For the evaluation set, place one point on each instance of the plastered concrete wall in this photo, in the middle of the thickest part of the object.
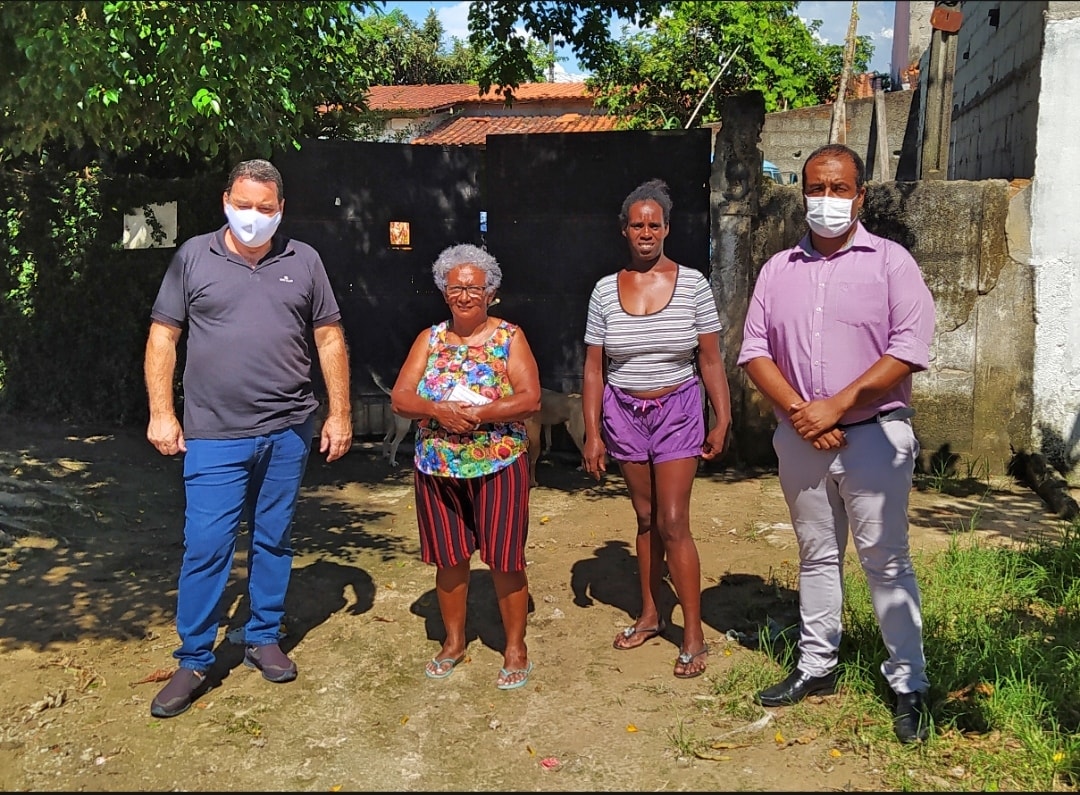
(1055, 243)
(974, 401)
(996, 90)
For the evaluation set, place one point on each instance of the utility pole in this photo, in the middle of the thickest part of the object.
(838, 127)
(945, 21)
(881, 157)
(551, 52)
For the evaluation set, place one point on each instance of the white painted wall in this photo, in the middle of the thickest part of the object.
(1055, 242)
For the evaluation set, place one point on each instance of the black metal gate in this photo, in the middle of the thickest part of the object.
(551, 202)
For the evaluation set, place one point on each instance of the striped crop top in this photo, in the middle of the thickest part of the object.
(651, 351)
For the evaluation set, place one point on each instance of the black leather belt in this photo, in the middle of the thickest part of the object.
(901, 413)
(867, 421)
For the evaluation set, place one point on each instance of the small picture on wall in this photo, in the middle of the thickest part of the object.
(400, 234)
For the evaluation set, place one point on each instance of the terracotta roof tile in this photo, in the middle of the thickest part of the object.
(475, 129)
(430, 97)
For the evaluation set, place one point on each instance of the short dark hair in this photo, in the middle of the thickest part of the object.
(257, 171)
(655, 190)
(839, 150)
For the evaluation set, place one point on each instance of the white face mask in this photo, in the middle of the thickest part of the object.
(829, 216)
(251, 227)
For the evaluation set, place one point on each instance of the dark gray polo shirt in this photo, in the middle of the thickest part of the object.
(249, 359)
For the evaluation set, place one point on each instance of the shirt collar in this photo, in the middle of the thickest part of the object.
(279, 245)
(862, 239)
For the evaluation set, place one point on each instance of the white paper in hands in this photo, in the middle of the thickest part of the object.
(463, 394)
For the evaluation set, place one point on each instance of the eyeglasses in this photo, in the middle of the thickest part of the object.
(458, 290)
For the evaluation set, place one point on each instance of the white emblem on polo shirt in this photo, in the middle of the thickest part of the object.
(285, 279)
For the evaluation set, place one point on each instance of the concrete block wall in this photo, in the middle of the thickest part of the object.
(996, 90)
(787, 137)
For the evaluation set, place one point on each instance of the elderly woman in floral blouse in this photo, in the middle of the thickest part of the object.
(471, 381)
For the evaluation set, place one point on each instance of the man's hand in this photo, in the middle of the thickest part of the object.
(832, 439)
(165, 433)
(336, 437)
(811, 418)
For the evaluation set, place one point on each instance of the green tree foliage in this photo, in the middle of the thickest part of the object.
(658, 75)
(494, 28)
(407, 55)
(670, 52)
(192, 79)
(392, 50)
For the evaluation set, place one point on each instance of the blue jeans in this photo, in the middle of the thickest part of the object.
(226, 481)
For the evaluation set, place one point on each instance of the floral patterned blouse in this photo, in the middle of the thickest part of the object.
(481, 368)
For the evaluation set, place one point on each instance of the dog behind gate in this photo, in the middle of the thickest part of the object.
(556, 408)
(397, 430)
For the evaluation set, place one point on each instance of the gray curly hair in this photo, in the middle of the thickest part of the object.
(466, 254)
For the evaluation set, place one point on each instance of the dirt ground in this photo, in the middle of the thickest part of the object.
(90, 548)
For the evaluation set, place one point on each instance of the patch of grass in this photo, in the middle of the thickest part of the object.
(734, 690)
(952, 474)
(244, 725)
(755, 529)
(1002, 640)
(685, 742)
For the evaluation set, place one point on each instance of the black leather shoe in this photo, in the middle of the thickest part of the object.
(797, 687)
(912, 719)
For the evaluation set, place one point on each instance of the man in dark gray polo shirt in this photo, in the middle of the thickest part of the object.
(248, 298)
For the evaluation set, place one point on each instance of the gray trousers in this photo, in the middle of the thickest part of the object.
(865, 484)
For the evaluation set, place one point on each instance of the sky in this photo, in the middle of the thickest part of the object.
(875, 20)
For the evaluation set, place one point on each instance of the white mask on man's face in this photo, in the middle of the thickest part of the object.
(829, 216)
(251, 227)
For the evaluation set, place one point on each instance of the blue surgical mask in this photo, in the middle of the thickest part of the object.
(251, 227)
(829, 216)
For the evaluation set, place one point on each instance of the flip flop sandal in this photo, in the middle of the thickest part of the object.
(685, 658)
(629, 632)
(505, 675)
(438, 666)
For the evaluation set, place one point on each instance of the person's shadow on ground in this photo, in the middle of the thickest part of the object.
(611, 577)
(753, 612)
(316, 592)
(482, 618)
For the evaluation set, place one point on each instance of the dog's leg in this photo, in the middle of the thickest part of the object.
(401, 427)
(386, 443)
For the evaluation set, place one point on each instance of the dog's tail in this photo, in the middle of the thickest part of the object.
(378, 381)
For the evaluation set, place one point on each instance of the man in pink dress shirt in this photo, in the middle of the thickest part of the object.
(835, 328)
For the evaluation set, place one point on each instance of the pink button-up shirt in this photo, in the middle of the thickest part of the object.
(825, 320)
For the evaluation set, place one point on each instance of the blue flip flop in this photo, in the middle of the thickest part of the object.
(524, 680)
(453, 663)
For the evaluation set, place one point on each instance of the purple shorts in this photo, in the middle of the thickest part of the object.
(656, 429)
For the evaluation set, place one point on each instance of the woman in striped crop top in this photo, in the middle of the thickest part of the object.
(642, 400)
(471, 381)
